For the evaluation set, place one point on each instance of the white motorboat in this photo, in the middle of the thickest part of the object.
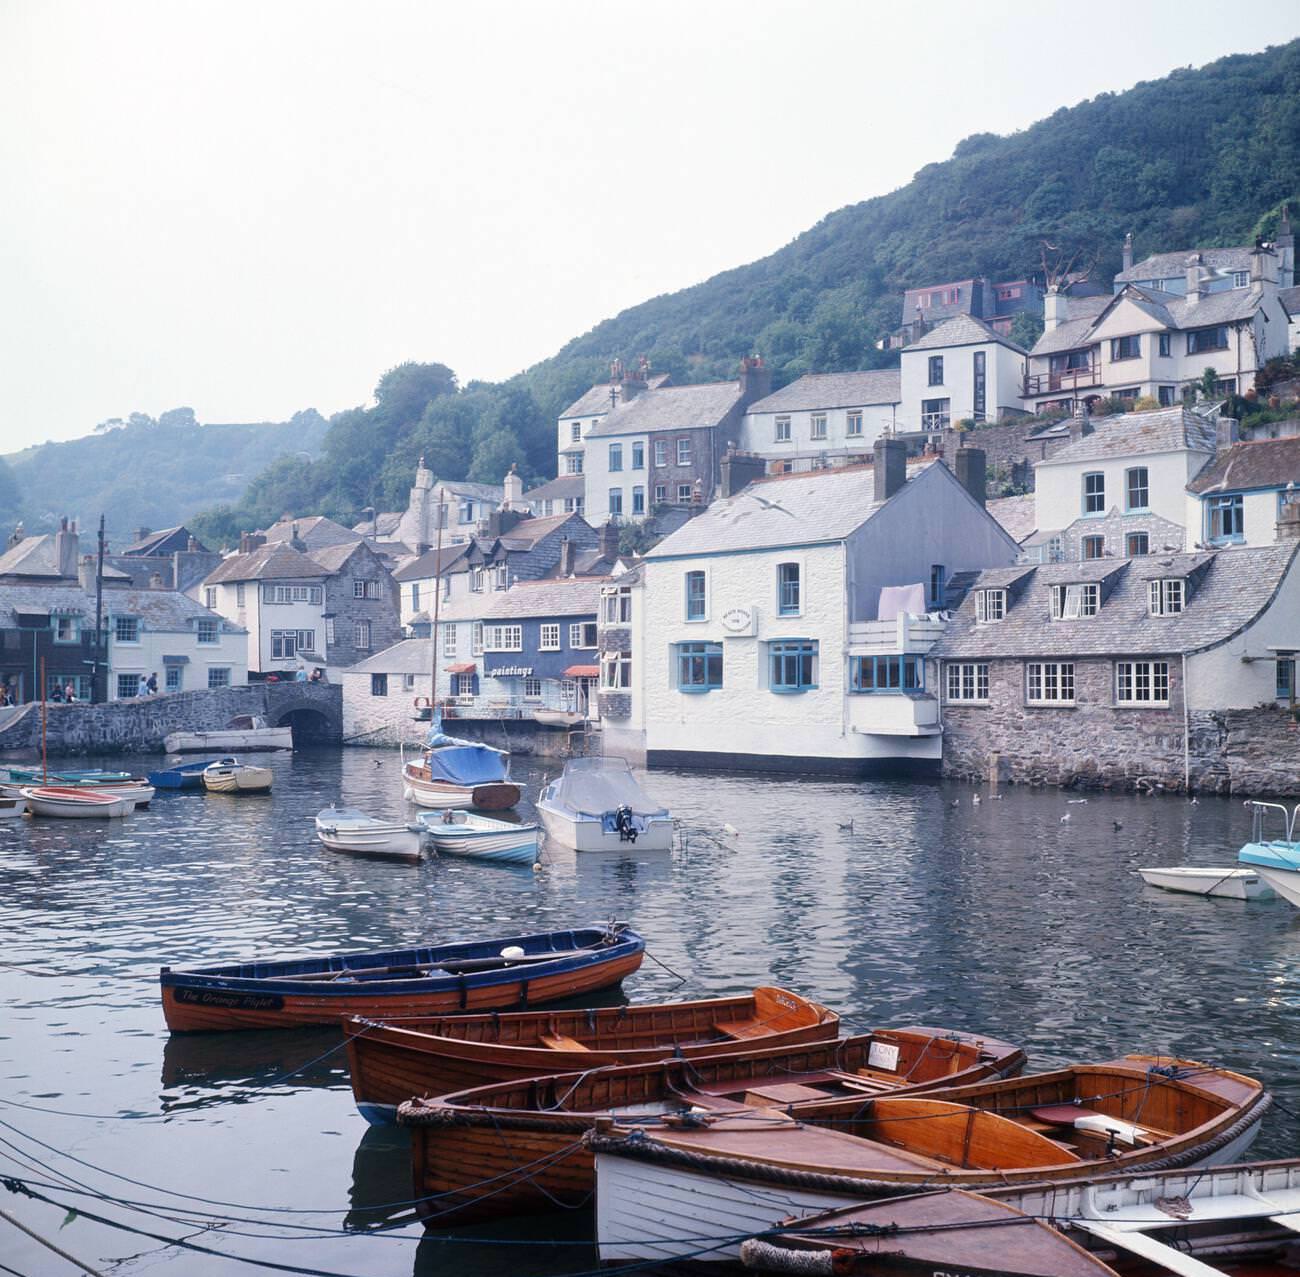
(558, 717)
(1233, 883)
(244, 732)
(11, 808)
(74, 803)
(1277, 860)
(462, 833)
(597, 805)
(347, 829)
(233, 777)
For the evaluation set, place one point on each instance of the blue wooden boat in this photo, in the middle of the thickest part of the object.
(512, 973)
(64, 776)
(184, 775)
(463, 833)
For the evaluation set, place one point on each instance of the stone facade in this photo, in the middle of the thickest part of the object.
(341, 604)
(1162, 535)
(1095, 744)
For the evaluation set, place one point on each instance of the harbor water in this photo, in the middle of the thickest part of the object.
(894, 903)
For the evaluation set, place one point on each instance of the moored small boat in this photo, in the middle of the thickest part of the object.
(456, 1139)
(597, 805)
(233, 777)
(726, 1177)
(347, 829)
(1235, 883)
(11, 808)
(463, 833)
(246, 732)
(456, 773)
(1276, 860)
(63, 776)
(558, 717)
(478, 975)
(75, 802)
(391, 1062)
(184, 775)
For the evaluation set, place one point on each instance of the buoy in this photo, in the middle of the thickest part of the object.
(512, 951)
(537, 866)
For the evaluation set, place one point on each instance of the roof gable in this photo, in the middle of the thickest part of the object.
(696, 407)
(1263, 463)
(833, 390)
(962, 330)
(1135, 434)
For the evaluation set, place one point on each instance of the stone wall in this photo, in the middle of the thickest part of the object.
(1094, 744)
(138, 726)
(341, 603)
(1164, 536)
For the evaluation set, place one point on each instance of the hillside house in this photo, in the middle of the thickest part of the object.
(1239, 498)
(961, 370)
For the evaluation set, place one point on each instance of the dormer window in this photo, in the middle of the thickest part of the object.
(1166, 597)
(1070, 602)
(990, 605)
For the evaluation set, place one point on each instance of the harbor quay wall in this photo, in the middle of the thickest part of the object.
(314, 711)
(1095, 745)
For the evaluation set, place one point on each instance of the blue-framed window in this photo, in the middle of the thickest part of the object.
(697, 598)
(67, 629)
(792, 665)
(886, 673)
(699, 667)
(1285, 677)
(787, 583)
(938, 584)
(615, 457)
(1225, 518)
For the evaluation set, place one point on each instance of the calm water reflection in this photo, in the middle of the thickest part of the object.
(995, 916)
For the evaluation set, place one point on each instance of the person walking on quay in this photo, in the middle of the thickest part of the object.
(70, 694)
(57, 694)
(151, 686)
(4, 695)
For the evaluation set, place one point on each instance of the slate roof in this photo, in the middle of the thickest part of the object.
(1135, 434)
(1171, 265)
(162, 611)
(571, 596)
(493, 492)
(429, 564)
(1017, 515)
(32, 556)
(314, 532)
(833, 390)
(527, 533)
(267, 563)
(410, 656)
(593, 402)
(333, 557)
(156, 541)
(963, 330)
(381, 525)
(670, 408)
(1291, 300)
(567, 486)
(1229, 590)
(1264, 463)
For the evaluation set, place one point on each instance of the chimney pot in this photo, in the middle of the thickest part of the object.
(566, 557)
(1127, 255)
(889, 461)
(607, 535)
(739, 470)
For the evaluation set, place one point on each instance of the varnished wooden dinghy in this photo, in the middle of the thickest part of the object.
(724, 1176)
(436, 980)
(526, 1134)
(392, 1062)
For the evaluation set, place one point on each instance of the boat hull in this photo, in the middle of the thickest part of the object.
(428, 791)
(481, 838)
(238, 780)
(284, 995)
(76, 804)
(397, 843)
(1237, 883)
(248, 740)
(11, 808)
(590, 835)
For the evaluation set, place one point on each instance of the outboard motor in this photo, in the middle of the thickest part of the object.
(623, 823)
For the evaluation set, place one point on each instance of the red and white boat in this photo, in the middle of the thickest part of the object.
(81, 804)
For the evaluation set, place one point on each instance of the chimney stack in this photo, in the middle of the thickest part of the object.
(889, 461)
(1288, 517)
(156, 581)
(250, 541)
(972, 472)
(1079, 423)
(514, 491)
(1126, 258)
(1226, 432)
(1259, 265)
(1054, 308)
(566, 557)
(607, 542)
(141, 533)
(86, 572)
(65, 548)
(755, 380)
(1193, 279)
(739, 470)
(1285, 242)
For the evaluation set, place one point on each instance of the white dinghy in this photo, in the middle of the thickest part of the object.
(1231, 883)
(350, 830)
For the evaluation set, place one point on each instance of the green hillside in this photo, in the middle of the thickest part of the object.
(1200, 158)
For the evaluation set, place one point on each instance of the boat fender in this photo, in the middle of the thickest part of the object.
(1113, 1129)
(512, 952)
(423, 702)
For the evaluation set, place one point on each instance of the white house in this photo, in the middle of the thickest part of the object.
(380, 694)
(1239, 498)
(460, 505)
(787, 625)
(576, 421)
(962, 370)
(1118, 489)
(822, 416)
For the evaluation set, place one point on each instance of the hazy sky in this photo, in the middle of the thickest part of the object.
(255, 208)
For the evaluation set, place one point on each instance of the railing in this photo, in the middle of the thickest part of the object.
(935, 420)
(1045, 383)
(906, 633)
(1259, 810)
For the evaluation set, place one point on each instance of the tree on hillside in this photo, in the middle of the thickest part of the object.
(494, 454)
(403, 392)
(177, 417)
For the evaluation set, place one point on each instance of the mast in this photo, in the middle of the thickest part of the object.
(45, 771)
(441, 508)
(99, 616)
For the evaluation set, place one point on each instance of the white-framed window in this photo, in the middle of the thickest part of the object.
(819, 425)
(415, 596)
(661, 493)
(126, 629)
(218, 676)
(476, 639)
(1094, 493)
(210, 597)
(782, 430)
(361, 635)
(379, 685)
(550, 638)
(575, 432)
(65, 629)
(683, 452)
(312, 594)
(854, 425)
(967, 681)
(990, 605)
(208, 630)
(1070, 602)
(684, 494)
(1241, 279)
(616, 607)
(638, 455)
(1049, 683)
(365, 589)
(1137, 488)
(661, 452)
(788, 584)
(532, 689)
(128, 685)
(408, 682)
(477, 577)
(286, 644)
(503, 638)
(449, 639)
(329, 631)
(582, 634)
(615, 671)
(573, 463)
(501, 576)
(1142, 682)
(1093, 547)
(638, 499)
(1165, 597)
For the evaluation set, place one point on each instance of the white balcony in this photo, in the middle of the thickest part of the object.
(905, 635)
(894, 714)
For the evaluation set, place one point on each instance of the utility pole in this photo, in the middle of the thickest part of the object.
(99, 616)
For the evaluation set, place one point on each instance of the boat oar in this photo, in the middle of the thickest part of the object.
(425, 968)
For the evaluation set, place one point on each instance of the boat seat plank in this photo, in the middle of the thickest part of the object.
(1148, 1248)
(558, 1042)
(742, 1030)
(783, 1093)
(1140, 1215)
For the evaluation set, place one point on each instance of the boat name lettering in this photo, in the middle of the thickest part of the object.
(510, 671)
(782, 1000)
(235, 1001)
(882, 1055)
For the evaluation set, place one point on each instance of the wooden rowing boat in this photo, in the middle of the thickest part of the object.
(726, 1176)
(479, 975)
(73, 802)
(526, 1134)
(392, 1062)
